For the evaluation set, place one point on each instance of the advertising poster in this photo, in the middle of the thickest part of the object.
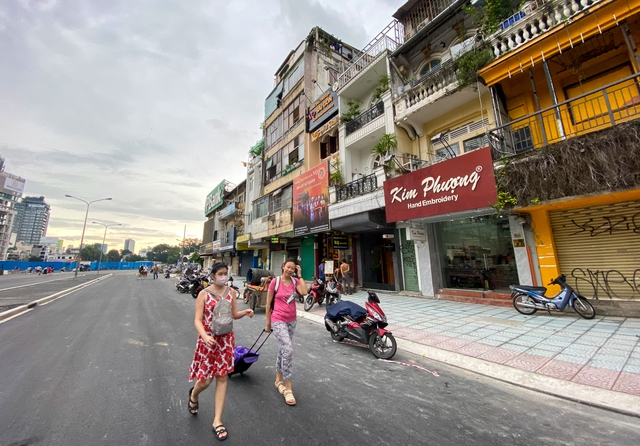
(311, 201)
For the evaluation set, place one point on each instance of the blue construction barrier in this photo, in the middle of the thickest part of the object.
(10, 265)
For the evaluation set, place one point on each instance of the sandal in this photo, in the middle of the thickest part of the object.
(193, 405)
(281, 388)
(221, 432)
(288, 398)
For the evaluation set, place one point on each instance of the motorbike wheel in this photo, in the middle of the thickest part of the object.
(308, 302)
(523, 298)
(195, 291)
(336, 337)
(584, 308)
(183, 289)
(384, 346)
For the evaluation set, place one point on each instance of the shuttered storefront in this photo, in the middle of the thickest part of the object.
(598, 249)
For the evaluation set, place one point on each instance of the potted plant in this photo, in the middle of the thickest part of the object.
(387, 145)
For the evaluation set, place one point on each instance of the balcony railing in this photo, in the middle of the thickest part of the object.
(431, 86)
(364, 118)
(389, 38)
(595, 110)
(533, 20)
(358, 187)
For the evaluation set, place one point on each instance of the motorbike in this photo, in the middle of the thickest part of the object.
(315, 295)
(167, 274)
(184, 284)
(332, 292)
(365, 326)
(198, 283)
(529, 299)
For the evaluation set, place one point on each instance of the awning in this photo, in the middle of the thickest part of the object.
(362, 222)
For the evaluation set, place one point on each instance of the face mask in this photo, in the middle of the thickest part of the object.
(220, 280)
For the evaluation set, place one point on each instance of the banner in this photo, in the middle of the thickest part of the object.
(463, 183)
(214, 199)
(311, 201)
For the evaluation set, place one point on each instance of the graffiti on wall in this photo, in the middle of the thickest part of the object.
(612, 283)
(609, 225)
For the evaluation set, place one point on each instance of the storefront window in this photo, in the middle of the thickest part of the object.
(477, 253)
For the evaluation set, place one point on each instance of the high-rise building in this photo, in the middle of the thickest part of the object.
(11, 188)
(130, 244)
(31, 220)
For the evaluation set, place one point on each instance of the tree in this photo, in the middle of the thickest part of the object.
(164, 253)
(135, 258)
(125, 252)
(190, 245)
(195, 257)
(89, 253)
(113, 255)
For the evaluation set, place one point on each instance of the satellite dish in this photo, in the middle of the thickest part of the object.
(336, 84)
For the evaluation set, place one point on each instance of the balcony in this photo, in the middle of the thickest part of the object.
(358, 187)
(364, 118)
(595, 110)
(533, 20)
(389, 38)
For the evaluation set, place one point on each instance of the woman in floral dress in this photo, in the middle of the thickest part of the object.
(213, 356)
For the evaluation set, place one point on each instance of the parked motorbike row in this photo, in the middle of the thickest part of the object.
(321, 290)
(195, 283)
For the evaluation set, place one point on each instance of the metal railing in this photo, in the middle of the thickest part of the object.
(595, 110)
(390, 38)
(365, 117)
(358, 187)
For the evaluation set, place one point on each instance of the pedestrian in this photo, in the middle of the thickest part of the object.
(321, 269)
(281, 318)
(155, 272)
(213, 356)
(345, 271)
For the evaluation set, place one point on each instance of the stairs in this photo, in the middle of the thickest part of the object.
(476, 297)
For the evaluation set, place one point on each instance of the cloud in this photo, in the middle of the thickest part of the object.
(152, 103)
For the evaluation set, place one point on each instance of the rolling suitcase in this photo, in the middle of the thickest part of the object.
(243, 357)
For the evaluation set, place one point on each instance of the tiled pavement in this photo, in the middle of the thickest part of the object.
(602, 353)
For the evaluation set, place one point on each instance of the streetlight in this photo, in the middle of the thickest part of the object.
(88, 203)
(181, 249)
(103, 238)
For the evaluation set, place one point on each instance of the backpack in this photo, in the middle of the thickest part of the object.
(222, 321)
(275, 290)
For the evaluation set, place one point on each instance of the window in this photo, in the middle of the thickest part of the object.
(261, 207)
(444, 153)
(294, 77)
(475, 143)
(289, 117)
(251, 182)
(281, 200)
(432, 65)
(328, 148)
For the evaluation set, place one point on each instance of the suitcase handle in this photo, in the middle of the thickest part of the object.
(259, 336)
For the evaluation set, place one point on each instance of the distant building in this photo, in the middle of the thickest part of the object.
(31, 220)
(11, 188)
(130, 244)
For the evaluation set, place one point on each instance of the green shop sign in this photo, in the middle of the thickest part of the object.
(214, 199)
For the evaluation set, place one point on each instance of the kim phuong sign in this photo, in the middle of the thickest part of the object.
(463, 183)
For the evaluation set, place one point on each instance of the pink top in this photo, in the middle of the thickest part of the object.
(283, 312)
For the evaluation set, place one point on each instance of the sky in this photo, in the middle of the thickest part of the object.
(152, 103)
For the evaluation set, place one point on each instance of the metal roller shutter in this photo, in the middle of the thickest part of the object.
(598, 248)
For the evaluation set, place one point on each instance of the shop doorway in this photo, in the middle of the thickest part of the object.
(378, 256)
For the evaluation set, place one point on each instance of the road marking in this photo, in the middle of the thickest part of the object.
(34, 284)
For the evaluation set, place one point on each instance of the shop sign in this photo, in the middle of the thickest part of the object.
(462, 183)
(311, 201)
(390, 247)
(275, 240)
(227, 211)
(415, 234)
(340, 242)
(214, 199)
(387, 235)
(216, 245)
(325, 128)
(322, 110)
(243, 238)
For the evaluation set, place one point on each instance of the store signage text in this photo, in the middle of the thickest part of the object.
(324, 129)
(459, 184)
(322, 110)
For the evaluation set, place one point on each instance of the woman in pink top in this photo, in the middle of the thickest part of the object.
(281, 317)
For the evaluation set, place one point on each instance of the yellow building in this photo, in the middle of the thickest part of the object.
(565, 81)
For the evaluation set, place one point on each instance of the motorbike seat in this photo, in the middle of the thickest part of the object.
(537, 289)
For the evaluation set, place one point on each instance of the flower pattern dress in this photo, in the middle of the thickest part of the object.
(209, 362)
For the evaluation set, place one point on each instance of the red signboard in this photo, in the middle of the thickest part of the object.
(463, 183)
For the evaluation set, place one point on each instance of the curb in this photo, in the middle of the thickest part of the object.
(593, 396)
(22, 308)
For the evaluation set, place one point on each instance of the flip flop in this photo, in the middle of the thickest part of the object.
(221, 432)
(281, 388)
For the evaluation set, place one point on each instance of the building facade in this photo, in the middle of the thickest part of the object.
(130, 244)
(11, 189)
(32, 220)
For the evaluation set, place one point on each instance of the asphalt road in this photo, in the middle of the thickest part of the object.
(109, 364)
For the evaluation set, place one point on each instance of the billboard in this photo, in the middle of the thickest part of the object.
(320, 111)
(311, 201)
(214, 199)
(13, 185)
(463, 183)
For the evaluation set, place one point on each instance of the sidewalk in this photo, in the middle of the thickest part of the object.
(592, 361)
